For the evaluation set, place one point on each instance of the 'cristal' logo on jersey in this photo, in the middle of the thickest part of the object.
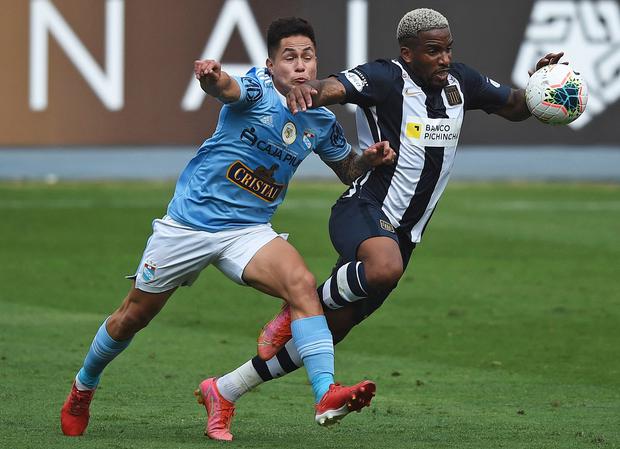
(258, 182)
(589, 32)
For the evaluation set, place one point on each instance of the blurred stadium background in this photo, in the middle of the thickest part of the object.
(507, 338)
(104, 89)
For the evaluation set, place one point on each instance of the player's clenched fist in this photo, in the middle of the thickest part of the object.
(209, 69)
(379, 153)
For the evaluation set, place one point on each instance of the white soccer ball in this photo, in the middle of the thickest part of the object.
(556, 94)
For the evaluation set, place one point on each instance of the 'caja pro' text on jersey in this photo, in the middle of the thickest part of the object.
(240, 174)
(422, 125)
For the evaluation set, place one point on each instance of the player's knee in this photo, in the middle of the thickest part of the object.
(385, 275)
(130, 318)
(132, 321)
(302, 282)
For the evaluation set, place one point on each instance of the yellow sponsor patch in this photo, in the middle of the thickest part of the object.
(413, 130)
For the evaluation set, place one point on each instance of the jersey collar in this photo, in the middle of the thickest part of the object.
(280, 96)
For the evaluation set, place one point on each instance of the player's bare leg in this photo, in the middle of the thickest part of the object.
(278, 269)
(383, 267)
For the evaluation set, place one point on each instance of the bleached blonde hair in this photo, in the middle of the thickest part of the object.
(421, 19)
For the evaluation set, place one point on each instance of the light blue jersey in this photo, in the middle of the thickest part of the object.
(240, 175)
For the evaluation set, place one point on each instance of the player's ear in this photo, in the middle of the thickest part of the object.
(406, 54)
(269, 65)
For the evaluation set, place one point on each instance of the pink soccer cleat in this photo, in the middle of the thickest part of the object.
(219, 410)
(275, 334)
(339, 401)
(74, 414)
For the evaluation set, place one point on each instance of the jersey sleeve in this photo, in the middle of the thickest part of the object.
(481, 92)
(252, 86)
(332, 145)
(367, 84)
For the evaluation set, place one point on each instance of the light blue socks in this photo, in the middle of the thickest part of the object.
(315, 345)
(102, 351)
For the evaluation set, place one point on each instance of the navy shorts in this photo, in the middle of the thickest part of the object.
(354, 220)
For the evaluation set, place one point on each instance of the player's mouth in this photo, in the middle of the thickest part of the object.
(441, 75)
(300, 80)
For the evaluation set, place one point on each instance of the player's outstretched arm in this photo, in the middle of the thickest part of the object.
(215, 82)
(354, 165)
(516, 109)
(314, 94)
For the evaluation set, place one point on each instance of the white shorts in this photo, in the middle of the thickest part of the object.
(175, 254)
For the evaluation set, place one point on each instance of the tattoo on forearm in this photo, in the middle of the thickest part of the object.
(350, 168)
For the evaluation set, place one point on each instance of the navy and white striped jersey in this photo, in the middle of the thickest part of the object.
(422, 126)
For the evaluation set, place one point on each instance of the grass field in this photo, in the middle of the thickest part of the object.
(504, 332)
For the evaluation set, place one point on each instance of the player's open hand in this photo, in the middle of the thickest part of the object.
(209, 69)
(549, 58)
(299, 98)
(379, 153)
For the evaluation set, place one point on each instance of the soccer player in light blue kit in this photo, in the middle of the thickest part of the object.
(220, 214)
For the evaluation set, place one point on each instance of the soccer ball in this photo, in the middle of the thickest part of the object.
(556, 94)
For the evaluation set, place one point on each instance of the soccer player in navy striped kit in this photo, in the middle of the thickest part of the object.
(417, 103)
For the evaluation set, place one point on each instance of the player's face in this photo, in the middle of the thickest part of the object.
(430, 56)
(294, 63)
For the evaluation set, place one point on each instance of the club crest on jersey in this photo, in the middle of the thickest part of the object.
(309, 138)
(259, 182)
(289, 133)
(453, 95)
(148, 272)
(387, 226)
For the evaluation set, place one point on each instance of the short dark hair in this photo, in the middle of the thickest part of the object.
(285, 27)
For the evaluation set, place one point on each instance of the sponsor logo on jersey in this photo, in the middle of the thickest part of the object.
(253, 91)
(249, 136)
(411, 91)
(267, 120)
(386, 226)
(413, 130)
(453, 95)
(493, 83)
(289, 133)
(259, 182)
(433, 131)
(589, 31)
(356, 78)
(148, 272)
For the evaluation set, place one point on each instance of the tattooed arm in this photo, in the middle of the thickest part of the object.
(355, 165)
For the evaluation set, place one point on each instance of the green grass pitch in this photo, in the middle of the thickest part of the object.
(503, 333)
